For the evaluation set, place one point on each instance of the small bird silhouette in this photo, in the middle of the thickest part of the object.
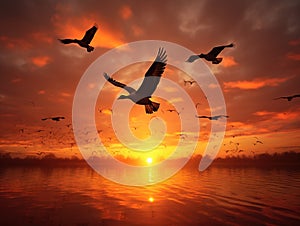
(85, 41)
(258, 142)
(173, 110)
(197, 104)
(57, 118)
(189, 81)
(216, 117)
(211, 56)
(152, 77)
(289, 98)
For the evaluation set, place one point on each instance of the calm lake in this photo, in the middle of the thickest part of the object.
(217, 196)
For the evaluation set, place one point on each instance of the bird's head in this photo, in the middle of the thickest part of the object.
(202, 55)
(123, 97)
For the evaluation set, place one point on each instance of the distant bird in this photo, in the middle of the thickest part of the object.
(173, 110)
(57, 118)
(216, 117)
(152, 77)
(85, 41)
(189, 81)
(258, 142)
(105, 110)
(211, 56)
(197, 104)
(182, 135)
(289, 98)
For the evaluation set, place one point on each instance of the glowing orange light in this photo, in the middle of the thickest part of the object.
(151, 199)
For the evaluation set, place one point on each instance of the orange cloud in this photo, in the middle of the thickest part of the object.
(13, 43)
(40, 61)
(41, 92)
(126, 12)
(277, 115)
(263, 113)
(16, 80)
(293, 56)
(64, 94)
(229, 62)
(255, 84)
(287, 115)
(137, 31)
(294, 42)
(42, 37)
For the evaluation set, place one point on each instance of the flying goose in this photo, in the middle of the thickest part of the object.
(289, 98)
(211, 56)
(85, 41)
(173, 110)
(216, 117)
(57, 118)
(152, 77)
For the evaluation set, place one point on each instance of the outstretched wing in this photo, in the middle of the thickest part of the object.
(216, 50)
(118, 84)
(89, 34)
(153, 75)
(280, 98)
(192, 58)
(67, 41)
(202, 116)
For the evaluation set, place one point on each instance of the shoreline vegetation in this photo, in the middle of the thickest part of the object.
(285, 160)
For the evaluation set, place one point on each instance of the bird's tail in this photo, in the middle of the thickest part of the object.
(230, 45)
(155, 106)
(152, 107)
(67, 41)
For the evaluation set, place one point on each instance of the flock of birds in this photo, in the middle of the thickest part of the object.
(152, 76)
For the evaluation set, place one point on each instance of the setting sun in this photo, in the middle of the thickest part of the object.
(149, 160)
(151, 199)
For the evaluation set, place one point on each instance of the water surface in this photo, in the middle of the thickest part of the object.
(217, 196)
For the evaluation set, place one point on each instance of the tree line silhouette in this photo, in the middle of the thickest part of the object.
(288, 159)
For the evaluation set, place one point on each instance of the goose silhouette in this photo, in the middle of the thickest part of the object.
(289, 98)
(85, 41)
(142, 95)
(210, 56)
(57, 118)
(216, 117)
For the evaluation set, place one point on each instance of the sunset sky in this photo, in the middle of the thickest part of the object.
(39, 75)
